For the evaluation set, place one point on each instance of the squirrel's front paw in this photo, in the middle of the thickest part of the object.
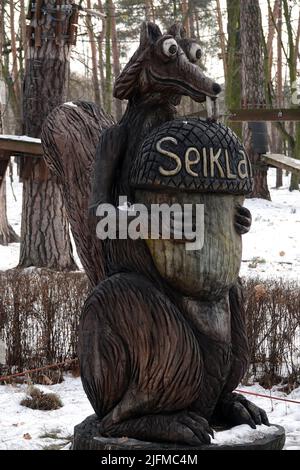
(242, 220)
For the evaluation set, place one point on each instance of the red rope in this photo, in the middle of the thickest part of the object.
(268, 396)
(4, 378)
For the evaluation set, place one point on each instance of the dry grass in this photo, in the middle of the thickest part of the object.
(38, 400)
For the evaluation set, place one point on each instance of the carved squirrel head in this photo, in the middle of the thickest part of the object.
(166, 64)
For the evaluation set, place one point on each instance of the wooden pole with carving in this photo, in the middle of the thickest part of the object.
(45, 240)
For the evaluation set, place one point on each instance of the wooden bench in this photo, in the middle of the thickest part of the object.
(282, 161)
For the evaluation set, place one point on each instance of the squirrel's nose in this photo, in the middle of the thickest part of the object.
(216, 88)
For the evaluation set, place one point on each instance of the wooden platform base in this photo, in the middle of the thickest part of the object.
(87, 437)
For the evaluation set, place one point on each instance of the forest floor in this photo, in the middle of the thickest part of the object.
(270, 250)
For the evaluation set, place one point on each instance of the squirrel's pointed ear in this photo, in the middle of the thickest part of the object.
(150, 33)
(177, 30)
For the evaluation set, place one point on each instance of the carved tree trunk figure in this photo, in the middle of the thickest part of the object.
(253, 89)
(45, 229)
(162, 337)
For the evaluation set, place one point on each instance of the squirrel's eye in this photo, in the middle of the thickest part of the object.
(170, 47)
(195, 52)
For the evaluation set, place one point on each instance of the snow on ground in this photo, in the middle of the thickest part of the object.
(271, 249)
(22, 428)
(25, 429)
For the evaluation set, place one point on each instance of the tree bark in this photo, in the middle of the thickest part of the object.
(222, 38)
(292, 65)
(253, 85)
(185, 16)
(233, 65)
(115, 53)
(95, 69)
(273, 16)
(100, 40)
(279, 91)
(44, 230)
(7, 233)
(108, 75)
(15, 72)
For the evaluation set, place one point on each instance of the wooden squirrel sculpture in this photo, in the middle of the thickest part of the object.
(158, 363)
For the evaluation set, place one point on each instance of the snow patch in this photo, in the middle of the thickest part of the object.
(20, 138)
(71, 104)
(242, 434)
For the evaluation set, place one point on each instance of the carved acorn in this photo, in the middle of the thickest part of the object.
(196, 162)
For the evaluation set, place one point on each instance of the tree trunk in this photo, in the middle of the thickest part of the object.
(14, 58)
(233, 65)
(185, 16)
(108, 75)
(222, 38)
(95, 69)
(279, 172)
(292, 65)
(100, 40)
(272, 18)
(253, 88)
(116, 60)
(7, 233)
(149, 11)
(45, 230)
(22, 38)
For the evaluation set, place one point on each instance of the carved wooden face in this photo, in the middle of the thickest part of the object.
(207, 273)
(165, 64)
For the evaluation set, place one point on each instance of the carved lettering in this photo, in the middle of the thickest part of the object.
(211, 163)
(189, 163)
(172, 155)
(205, 172)
(229, 175)
(214, 160)
(242, 166)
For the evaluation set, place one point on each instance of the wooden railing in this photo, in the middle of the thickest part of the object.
(15, 146)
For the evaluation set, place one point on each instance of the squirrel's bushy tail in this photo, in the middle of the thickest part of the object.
(70, 135)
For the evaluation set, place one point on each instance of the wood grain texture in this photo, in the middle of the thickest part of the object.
(69, 137)
(162, 340)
